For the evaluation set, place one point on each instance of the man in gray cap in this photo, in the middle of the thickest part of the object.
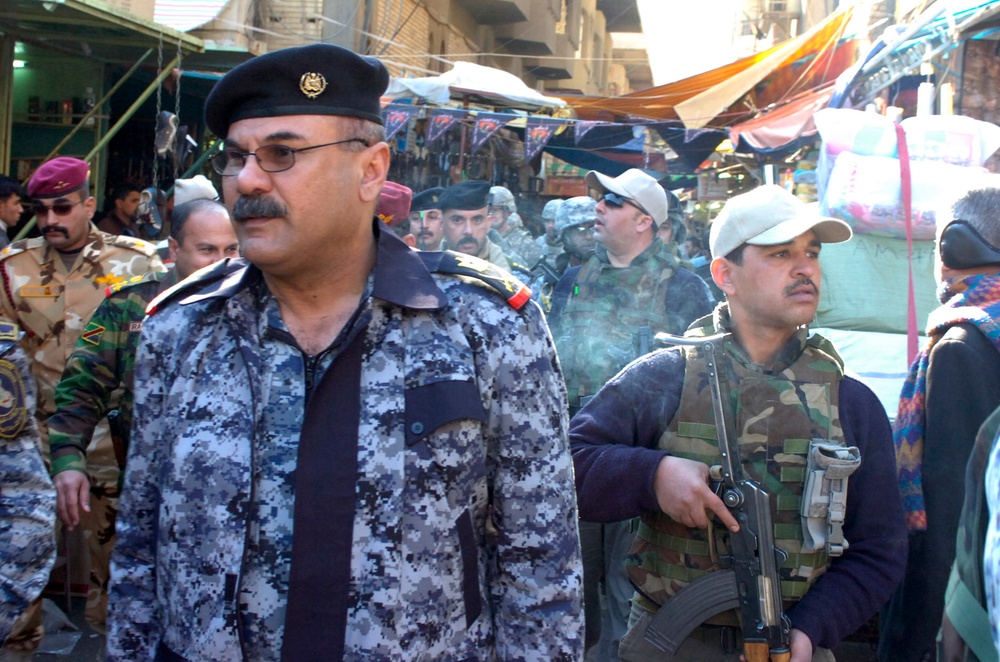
(643, 446)
(343, 449)
(509, 228)
(604, 315)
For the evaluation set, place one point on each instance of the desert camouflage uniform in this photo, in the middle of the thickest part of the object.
(53, 305)
(27, 499)
(100, 368)
(203, 558)
(611, 314)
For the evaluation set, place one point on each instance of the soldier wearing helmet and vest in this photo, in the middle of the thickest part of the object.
(550, 243)
(508, 228)
(642, 447)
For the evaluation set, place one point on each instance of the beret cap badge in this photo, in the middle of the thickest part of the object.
(312, 84)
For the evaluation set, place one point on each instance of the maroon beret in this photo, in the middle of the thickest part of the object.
(393, 204)
(58, 177)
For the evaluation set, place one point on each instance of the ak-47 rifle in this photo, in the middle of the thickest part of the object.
(750, 580)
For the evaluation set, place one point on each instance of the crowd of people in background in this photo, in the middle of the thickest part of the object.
(354, 421)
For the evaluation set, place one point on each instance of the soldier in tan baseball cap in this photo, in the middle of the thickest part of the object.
(766, 245)
(770, 215)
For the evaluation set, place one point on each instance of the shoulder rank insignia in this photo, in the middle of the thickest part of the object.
(13, 414)
(121, 285)
(516, 292)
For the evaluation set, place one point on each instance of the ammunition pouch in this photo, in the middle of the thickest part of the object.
(824, 495)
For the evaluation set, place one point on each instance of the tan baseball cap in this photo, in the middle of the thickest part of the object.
(770, 215)
(635, 185)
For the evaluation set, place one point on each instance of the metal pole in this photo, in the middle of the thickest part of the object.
(127, 115)
(106, 138)
(97, 107)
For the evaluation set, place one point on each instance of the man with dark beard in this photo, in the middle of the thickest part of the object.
(51, 286)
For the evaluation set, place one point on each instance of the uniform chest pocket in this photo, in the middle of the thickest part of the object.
(430, 406)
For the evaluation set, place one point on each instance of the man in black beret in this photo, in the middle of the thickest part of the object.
(467, 225)
(425, 219)
(342, 448)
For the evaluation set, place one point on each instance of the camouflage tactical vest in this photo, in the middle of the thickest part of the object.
(777, 414)
(610, 319)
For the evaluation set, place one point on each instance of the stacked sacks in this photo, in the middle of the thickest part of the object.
(863, 301)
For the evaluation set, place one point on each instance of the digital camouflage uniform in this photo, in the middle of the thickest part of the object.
(462, 418)
(519, 241)
(100, 369)
(53, 305)
(27, 499)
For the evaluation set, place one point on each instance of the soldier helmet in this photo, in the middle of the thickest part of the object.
(550, 209)
(575, 211)
(501, 197)
(675, 215)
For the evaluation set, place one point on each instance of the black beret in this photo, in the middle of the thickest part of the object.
(465, 196)
(426, 199)
(319, 79)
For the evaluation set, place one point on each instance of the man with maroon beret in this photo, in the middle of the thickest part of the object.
(393, 209)
(51, 285)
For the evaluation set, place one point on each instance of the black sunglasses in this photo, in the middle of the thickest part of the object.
(270, 158)
(615, 200)
(59, 209)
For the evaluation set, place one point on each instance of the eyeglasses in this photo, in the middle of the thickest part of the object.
(618, 201)
(270, 158)
(59, 209)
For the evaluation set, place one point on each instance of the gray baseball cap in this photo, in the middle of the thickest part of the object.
(635, 185)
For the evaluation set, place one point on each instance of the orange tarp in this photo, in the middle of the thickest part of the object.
(818, 57)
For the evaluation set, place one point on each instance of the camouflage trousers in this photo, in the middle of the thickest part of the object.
(704, 644)
(99, 531)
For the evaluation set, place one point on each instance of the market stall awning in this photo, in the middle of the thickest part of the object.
(778, 127)
(467, 81)
(734, 92)
(88, 28)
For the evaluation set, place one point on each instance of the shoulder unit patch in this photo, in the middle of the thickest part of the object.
(13, 414)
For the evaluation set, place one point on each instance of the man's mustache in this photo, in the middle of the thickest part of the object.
(48, 229)
(799, 283)
(257, 207)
